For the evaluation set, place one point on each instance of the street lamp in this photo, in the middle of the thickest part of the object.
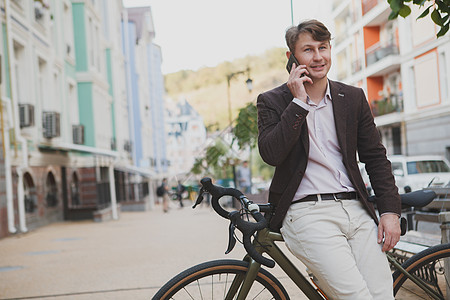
(248, 82)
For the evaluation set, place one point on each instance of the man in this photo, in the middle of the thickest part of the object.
(180, 190)
(165, 196)
(311, 129)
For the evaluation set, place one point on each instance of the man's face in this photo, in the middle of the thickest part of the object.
(314, 54)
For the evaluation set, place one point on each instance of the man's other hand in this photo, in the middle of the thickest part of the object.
(389, 228)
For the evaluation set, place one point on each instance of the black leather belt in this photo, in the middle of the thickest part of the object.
(335, 196)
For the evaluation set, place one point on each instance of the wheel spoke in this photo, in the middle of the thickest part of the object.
(430, 267)
(220, 280)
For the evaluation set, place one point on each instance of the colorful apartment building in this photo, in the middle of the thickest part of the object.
(403, 69)
(70, 150)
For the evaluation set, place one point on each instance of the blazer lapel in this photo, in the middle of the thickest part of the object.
(340, 111)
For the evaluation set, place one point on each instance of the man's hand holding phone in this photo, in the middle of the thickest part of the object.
(297, 78)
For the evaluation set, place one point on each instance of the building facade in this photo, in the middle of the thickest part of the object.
(186, 137)
(68, 142)
(403, 69)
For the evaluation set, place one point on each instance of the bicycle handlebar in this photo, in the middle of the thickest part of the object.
(247, 228)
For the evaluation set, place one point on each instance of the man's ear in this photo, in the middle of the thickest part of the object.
(288, 54)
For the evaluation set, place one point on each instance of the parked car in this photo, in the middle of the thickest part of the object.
(413, 173)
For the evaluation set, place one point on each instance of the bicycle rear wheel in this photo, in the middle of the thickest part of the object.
(213, 280)
(429, 265)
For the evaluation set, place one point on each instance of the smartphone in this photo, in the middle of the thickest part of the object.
(291, 60)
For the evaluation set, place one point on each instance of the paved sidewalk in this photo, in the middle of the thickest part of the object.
(126, 259)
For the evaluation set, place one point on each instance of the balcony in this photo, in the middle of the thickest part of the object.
(392, 103)
(380, 53)
(367, 5)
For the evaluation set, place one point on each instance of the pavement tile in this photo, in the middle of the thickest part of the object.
(130, 258)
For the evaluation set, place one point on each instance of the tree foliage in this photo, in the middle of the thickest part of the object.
(219, 156)
(216, 160)
(246, 128)
(440, 11)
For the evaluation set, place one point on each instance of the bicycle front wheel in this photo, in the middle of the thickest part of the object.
(432, 266)
(214, 280)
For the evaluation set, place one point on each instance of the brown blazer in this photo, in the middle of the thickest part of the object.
(284, 143)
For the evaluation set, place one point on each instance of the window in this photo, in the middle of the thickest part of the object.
(426, 74)
(30, 198)
(397, 169)
(68, 31)
(443, 75)
(20, 72)
(75, 190)
(51, 198)
(422, 30)
(41, 88)
(427, 166)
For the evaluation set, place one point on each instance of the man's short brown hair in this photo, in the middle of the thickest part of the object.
(318, 31)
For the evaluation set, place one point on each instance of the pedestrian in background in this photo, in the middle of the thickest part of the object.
(180, 190)
(165, 195)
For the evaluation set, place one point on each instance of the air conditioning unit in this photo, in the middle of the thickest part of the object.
(51, 124)
(26, 115)
(128, 146)
(78, 134)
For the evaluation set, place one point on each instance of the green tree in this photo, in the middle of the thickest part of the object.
(217, 160)
(246, 129)
(440, 11)
(246, 134)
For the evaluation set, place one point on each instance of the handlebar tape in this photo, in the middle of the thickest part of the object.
(248, 229)
(217, 192)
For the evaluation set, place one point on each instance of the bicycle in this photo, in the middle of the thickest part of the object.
(246, 279)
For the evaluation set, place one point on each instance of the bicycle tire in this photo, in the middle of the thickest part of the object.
(427, 264)
(198, 282)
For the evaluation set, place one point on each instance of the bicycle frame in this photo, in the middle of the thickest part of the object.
(268, 238)
(265, 243)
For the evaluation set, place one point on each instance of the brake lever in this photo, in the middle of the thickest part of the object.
(231, 238)
(199, 198)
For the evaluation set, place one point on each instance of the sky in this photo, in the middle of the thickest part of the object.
(198, 33)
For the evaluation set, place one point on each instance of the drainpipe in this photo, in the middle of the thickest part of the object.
(8, 171)
(16, 125)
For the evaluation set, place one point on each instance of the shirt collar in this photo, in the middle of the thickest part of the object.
(326, 98)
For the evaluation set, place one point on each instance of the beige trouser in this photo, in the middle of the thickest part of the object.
(337, 241)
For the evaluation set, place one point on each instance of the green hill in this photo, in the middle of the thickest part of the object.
(206, 89)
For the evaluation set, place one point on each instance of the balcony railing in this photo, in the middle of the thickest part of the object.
(380, 53)
(392, 103)
(367, 5)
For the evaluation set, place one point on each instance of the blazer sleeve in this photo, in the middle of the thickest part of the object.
(372, 152)
(279, 126)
